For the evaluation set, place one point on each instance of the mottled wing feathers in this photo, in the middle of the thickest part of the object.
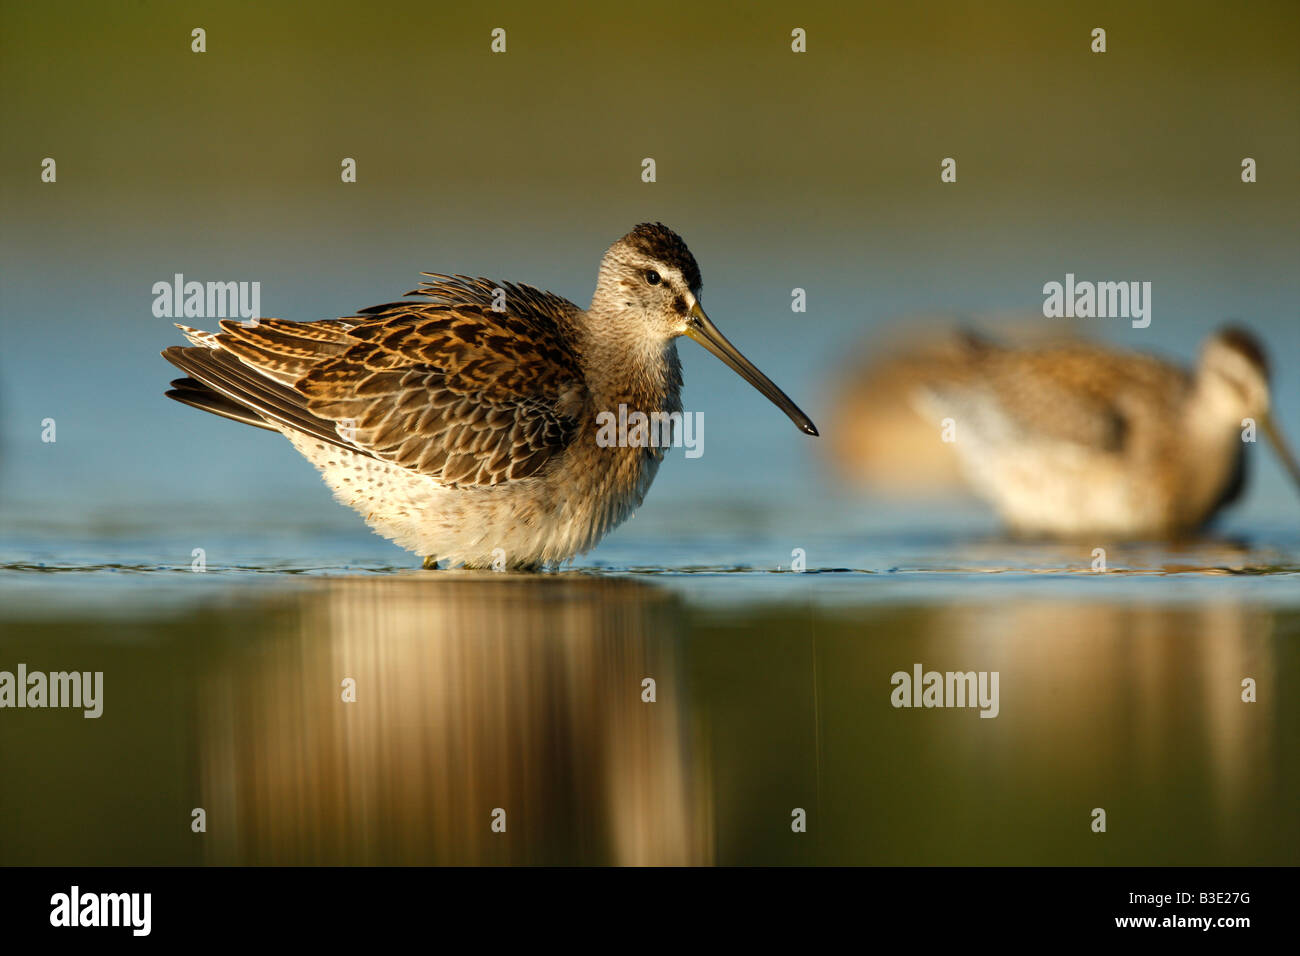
(531, 305)
(285, 351)
(449, 388)
(192, 392)
(1038, 397)
(461, 392)
(230, 381)
(1075, 393)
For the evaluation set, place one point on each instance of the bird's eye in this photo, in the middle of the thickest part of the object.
(652, 277)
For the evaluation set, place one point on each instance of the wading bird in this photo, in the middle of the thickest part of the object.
(461, 423)
(1074, 439)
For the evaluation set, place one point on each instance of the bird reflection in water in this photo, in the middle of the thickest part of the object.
(474, 692)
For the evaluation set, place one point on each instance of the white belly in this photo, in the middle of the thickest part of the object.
(543, 520)
(1066, 492)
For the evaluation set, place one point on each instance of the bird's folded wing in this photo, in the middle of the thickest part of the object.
(1008, 397)
(453, 390)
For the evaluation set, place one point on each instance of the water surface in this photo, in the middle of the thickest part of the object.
(478, 692)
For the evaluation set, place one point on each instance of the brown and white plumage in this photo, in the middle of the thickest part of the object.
(461, 422)
(1077, 439)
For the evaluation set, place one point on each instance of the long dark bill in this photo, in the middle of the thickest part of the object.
(1283, 450)
(702, 330)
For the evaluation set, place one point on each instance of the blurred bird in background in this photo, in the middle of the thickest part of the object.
(1064, 438)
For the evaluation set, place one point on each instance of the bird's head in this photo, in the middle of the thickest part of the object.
(1235, 368)
(1233, 375)
(649, 289)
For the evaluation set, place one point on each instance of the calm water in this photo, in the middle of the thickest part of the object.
(478, 691)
